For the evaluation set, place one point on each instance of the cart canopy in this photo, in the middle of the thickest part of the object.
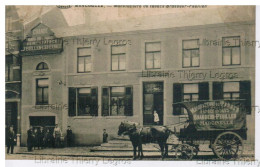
(215, 115)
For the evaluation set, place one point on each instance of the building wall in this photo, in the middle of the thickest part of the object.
(88, 130)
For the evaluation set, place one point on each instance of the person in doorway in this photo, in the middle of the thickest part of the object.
(30, 138)
(57, 135)
(156, 118)
(11, 139)
(69, 137)
(105, 136)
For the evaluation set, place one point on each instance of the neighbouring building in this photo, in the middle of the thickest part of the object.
(94, 81)
(13, 37)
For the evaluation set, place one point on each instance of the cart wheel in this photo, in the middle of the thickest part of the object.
(184, 151)
(228, 145)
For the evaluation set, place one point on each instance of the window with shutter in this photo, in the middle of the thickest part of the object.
(217, 90)
(245, 94)
(177, 97)
(129, 101)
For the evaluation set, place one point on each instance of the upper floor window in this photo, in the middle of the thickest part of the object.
(153, 55)
(42, 66)
(118, 57)
(231, 51)
(42, 91)
(190, 53)
(84, 59)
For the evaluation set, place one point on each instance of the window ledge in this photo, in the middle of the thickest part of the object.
(114, 117)
(84, 117)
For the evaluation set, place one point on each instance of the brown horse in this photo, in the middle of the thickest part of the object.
(142, 135)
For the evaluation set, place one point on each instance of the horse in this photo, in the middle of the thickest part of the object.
(142, 135)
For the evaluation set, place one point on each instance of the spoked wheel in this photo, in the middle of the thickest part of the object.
(184, 151)
(228, 145)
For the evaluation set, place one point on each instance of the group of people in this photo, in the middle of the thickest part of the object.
(42, 138)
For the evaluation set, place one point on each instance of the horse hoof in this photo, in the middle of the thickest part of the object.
(134, 158)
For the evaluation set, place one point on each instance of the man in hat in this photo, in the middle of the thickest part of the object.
(69, 137)
(11, 139)
(30, 138)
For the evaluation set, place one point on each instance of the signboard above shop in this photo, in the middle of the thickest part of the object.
(40, 41)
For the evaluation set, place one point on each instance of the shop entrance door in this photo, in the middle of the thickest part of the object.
(152, 100)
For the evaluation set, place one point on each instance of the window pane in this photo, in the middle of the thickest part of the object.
(186, 98)
(115, 62)
(39, 95)
(118, 49)
(195, 57)
(122, 62)
(84, 51)
(43, 82)
(84, 90)
(186, 58)
(88, 63)
(149, 60)
(226, 56)
(195, 97)
(151, 47)
(157, 60)
(235, 96)
(231, 87)
(227, 95)
(118, 89)
(191, 88)
(45, 95)
(236, 55)
(190, 44)
(81, 64)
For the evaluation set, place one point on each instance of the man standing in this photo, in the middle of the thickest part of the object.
(10, 140)
(30, 138)
(57, 135)
(69, 137)
(40, 137)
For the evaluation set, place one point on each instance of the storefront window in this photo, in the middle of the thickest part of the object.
(117, 101)
(190, 92)
(231, 90)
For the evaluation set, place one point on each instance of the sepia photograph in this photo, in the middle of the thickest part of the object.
(130, 82)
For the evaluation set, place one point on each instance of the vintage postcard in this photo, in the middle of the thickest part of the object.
(151, 82)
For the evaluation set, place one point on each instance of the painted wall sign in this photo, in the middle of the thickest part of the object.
(217, 115)
(41, 40)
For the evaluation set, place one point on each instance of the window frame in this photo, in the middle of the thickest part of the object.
(231, 48)
(85, 56)
(118, 55)
(190, 50)
(231, 92)
(43, 64)
(190, 94)
(145, 45)
(42, 92)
